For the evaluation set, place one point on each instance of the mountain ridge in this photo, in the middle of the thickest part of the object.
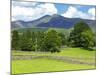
(54, 21)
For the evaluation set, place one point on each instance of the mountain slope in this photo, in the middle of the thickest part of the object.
(54, 21)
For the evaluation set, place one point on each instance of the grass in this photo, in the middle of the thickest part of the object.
(77, 52)
(44, 65)
(50, 65)
(70, 52)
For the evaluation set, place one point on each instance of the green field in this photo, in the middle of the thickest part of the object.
(44, 65)
(67, 59)
(71, 52)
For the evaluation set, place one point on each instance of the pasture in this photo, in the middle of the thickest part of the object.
(66, 60)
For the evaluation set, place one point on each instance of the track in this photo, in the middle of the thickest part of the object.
(58, 58)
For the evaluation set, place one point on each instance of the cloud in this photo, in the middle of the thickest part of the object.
(50, 8)
(28, 11)
(73, 12)
(70, 12)
(25, 11)
(17, 10)
(92, 12)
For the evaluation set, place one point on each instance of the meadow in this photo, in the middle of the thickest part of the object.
(66, 60)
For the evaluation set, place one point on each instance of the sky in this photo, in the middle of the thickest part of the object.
(28, 11)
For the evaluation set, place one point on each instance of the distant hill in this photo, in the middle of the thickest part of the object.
(54, 21)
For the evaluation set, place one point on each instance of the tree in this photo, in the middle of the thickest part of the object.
(81, 36)
(88, 39)
(33, 41)
(15, 40)
(40, 37)
(63, 39)
(37, 38)
(51, 41)
(26, 41)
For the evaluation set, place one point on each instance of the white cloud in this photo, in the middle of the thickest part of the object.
(32, 10)
(23, 12)
(92, 12)
(73, 12)
(50, 8)
(70, 12)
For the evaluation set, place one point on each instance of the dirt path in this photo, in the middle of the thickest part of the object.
(59, 58)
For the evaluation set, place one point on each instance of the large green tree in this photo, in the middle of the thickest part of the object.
(51, 41)
(81, 36)
(26, 42)
(63, 39)
(88, 39)
(37, 40)
(15, 40)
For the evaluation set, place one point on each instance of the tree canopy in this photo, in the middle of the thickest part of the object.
(81, 36)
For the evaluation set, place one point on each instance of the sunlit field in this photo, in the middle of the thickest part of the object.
(67, 59)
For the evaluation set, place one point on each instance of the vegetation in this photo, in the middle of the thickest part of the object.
(82, 36)
(44, 65)
(52, 40)
(26, 41)
(15, 40)
(74, 49)
(38, 41)
(68, 52)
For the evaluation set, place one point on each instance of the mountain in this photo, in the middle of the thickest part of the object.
(29, 24)
(54, 21)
